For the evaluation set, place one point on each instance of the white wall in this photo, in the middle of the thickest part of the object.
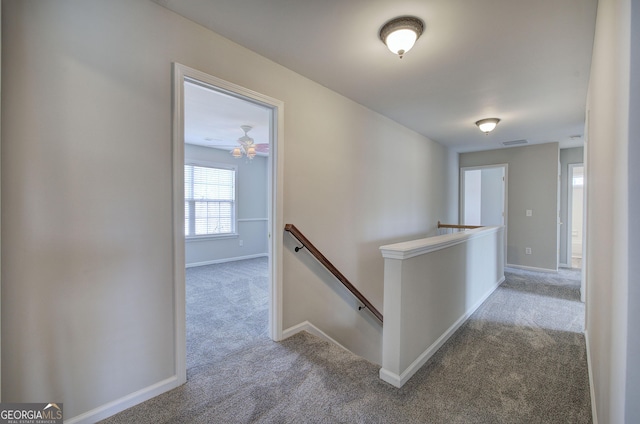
(532, 184)
(251, 180)
(611, 332)
(350, 199)
(87, 312)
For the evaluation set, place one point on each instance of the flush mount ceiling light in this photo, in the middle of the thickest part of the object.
(400, 34)
(487, 125)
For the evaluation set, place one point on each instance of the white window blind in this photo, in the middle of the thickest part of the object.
(209, 204)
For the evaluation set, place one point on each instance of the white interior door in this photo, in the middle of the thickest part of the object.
(483, 195)
(492, 196)
(472, 197)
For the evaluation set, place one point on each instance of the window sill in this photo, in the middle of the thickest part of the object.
(211, 237)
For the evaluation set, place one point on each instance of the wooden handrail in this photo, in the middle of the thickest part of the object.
(332, 269)
(465, 227)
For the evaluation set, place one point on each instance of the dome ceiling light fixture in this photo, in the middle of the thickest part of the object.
(487, 125)
(400, 34)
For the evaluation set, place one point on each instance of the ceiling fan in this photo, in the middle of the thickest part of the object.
(247, 146)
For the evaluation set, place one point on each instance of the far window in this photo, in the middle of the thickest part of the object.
(209, 203)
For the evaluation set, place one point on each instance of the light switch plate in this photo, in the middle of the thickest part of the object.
(529, 212)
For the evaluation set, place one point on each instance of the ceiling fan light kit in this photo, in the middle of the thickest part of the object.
(400, 34)
(487, 125)
(247, 146)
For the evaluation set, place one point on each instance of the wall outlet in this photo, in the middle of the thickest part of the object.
(241, 242)
(529, 212)
(527, 250)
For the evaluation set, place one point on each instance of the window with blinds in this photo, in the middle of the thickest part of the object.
(209, 204)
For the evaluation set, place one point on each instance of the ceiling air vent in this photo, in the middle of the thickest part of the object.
(515, 142)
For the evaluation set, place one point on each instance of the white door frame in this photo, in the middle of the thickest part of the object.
(505, 166)
(275, 199)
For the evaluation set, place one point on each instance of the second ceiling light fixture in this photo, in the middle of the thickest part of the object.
(487, 125)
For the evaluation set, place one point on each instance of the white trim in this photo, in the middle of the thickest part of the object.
(179, 296)
(125, 402)
(276, 217)
(531, 268)
(220, 261)
(252, 219)
(409, 249)
(312, 329)
(210, 237)
(592, 391)
(399, 380)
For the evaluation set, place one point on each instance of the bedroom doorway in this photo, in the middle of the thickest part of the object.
(223, 222)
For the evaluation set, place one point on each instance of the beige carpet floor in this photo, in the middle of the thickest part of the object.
(519, 359)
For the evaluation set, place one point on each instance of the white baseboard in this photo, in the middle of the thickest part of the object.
(531, 268)
(312, 329)
(399, 380)
(220, 261)
(591, 386)
(126, 402)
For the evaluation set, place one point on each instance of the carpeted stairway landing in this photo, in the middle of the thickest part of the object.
(519, 359)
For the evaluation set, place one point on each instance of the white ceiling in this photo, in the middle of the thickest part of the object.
(525, 62)
(213, 119)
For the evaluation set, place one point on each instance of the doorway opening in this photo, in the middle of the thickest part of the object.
(227, 197)
(575, 215)
(483, 197)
